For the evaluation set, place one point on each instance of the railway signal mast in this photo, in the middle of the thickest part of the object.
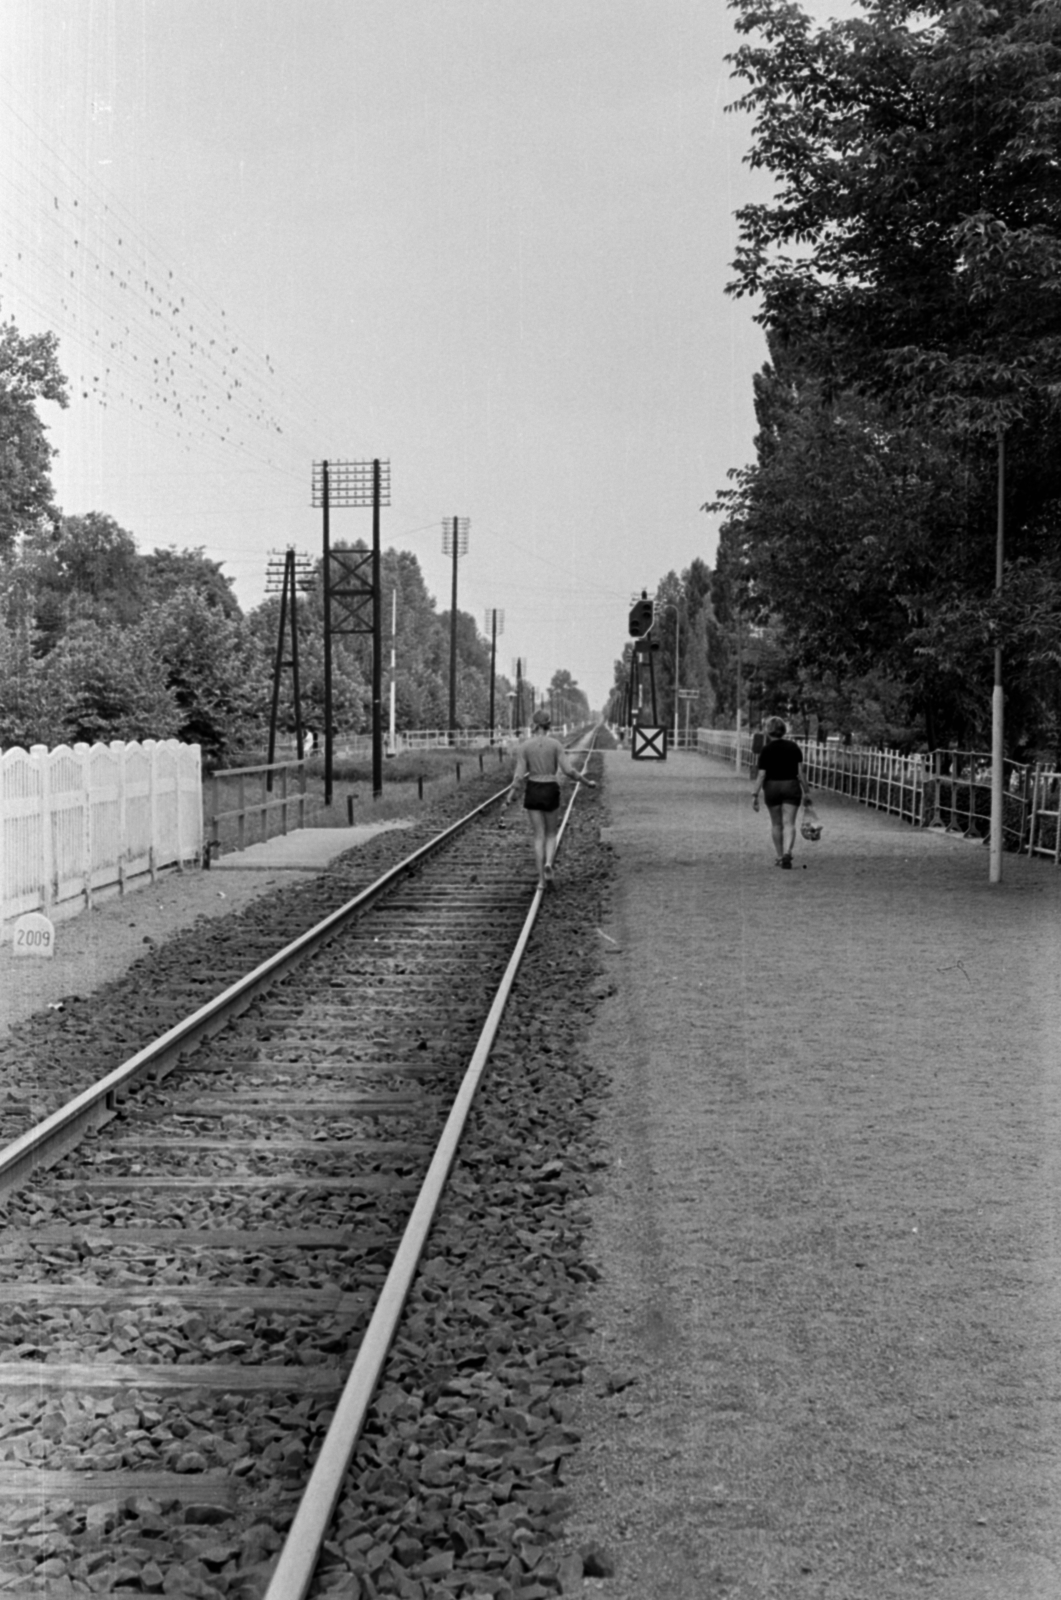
(352, 587)
(642, 618)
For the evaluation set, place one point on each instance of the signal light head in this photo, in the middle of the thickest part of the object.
(640, 618)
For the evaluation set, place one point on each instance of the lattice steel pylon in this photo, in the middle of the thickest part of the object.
(352, 581)
(286, 574)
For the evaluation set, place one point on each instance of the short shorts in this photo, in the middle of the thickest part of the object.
(782, 791)
(540, 795)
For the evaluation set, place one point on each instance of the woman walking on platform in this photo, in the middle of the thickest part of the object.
(540, 760)
(783, 785)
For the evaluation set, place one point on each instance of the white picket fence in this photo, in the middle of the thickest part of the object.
(77, 822)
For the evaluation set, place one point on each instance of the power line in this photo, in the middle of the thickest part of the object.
(153, 342)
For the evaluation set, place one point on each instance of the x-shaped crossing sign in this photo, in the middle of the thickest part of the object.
(649, 744)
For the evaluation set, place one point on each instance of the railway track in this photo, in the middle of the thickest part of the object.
(183, 1290)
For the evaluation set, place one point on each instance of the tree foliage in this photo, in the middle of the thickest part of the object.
(569, 703)
(215, 671)
(164, 571)
(100, 642)
(908, 273)
(96, 683)
(421, 647)
(690, 656)
(913, 245)
(29, 372)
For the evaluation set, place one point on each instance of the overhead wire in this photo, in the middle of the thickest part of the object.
(153, 340)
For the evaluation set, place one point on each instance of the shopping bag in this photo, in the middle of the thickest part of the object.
(810, 827)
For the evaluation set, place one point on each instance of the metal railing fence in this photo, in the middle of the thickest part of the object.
(944, 789)
(254, 801)
(360, 744)
(78, 820)
(958, 796)
(1044, 813)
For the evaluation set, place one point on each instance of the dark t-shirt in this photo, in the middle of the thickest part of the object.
(780, 759)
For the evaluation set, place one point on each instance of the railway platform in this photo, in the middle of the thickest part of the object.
(825, 1351)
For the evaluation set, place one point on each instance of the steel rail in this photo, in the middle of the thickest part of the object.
(294, 1572)
(61, 1131)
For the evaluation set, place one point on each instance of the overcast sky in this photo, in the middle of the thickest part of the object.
(484, 239)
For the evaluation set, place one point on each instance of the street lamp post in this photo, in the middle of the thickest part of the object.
(994, 871)
(393, 740)
(740, 689)
(672, 605)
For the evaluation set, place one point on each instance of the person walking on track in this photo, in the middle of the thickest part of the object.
(783, 786)
(539, 762)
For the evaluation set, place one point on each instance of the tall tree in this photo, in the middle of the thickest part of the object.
(570, 703)
(915, 152)
(215, 670)
(164, 571)
(29, 372)
(98, 682)
(909, 275)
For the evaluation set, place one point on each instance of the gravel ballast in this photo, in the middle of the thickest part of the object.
(745, 1282)
(477, 1394)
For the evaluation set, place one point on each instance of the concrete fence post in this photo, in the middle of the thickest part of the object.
(81, 751)
(46, 862)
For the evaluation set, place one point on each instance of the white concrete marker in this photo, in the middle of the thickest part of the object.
(33, 935)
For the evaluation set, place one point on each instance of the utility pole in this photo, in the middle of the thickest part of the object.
(455, 542)
(329, 754)
(519, 667)
(495, 623)
(377, 639)
(393, 739)
(286, 574)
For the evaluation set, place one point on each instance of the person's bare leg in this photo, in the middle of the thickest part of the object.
(790, 828)
(538, 826)
(776, 833)
(552, 829)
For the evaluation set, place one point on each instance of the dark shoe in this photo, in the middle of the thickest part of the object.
(786, 861)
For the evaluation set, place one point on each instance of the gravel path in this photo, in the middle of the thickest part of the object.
(826, 1357)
